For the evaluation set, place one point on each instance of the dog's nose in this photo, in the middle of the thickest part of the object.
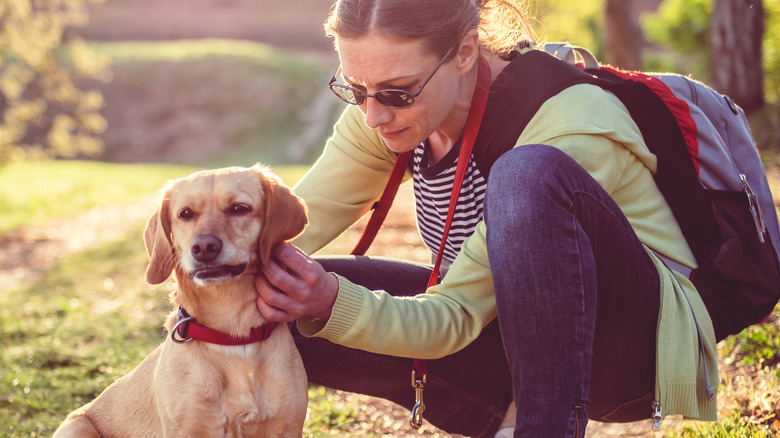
(206, 247)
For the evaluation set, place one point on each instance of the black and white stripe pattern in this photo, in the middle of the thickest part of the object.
(432, 191)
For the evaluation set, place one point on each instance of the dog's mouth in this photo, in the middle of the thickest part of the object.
(217, 272)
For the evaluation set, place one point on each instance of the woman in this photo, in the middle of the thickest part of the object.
(556, 243)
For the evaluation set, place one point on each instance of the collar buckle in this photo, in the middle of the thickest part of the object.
(179, 331)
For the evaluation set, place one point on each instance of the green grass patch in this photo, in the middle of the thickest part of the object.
(326, 418)
(32, 192)
(733, 426)
(757, 345)
(191, 49)
(87, 322)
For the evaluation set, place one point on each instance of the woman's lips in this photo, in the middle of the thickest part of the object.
(389, 135)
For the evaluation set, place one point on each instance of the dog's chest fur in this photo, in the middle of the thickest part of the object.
(235, 386)
(244, 397)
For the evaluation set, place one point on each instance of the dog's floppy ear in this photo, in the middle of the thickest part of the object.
(157, 239)
(285, 213)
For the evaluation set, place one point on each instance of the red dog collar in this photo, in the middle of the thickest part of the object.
(187, 329)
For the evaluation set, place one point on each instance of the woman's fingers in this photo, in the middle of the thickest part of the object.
(271, 302)
(292, 285)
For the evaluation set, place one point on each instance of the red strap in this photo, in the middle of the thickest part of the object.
(473, 122)
(205, 334)
(383, 205)
(471, 129)
(187, 328)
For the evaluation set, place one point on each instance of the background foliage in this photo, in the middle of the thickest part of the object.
(44, 112)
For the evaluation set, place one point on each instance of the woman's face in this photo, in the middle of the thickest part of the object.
(376, 62)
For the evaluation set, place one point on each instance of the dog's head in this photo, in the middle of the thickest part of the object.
(216, 223)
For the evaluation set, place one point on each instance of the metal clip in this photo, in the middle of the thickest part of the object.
(180, 328)
(755, 208)
(656, 417)
(416, 415)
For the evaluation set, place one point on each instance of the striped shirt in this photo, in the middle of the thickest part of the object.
(432, 191)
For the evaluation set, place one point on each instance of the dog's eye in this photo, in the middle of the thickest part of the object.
(239, 209)
(186, 214)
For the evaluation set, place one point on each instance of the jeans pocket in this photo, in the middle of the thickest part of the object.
(630, 410)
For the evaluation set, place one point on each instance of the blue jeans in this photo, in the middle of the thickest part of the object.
(577, 299)
(577, 295)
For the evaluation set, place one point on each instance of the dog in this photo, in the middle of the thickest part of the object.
(222, 371)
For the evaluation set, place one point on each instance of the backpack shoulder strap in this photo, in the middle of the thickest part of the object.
(676, 175)
(516, 95)
(573, 55)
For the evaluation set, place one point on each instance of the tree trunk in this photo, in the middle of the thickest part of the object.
(622, 34)
(737, 30)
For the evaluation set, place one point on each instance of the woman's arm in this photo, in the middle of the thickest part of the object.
(345, 181)
(431, 325)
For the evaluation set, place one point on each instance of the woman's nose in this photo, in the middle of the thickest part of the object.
(376, 113)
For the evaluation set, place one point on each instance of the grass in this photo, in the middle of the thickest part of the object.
(121, 52)
(32, 192)
(85, 323)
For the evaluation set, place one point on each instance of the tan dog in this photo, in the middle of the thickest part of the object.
(213, 228)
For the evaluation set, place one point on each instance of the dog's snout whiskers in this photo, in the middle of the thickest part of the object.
(206, 247)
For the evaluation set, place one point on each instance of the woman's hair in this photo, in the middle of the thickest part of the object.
(502, 24)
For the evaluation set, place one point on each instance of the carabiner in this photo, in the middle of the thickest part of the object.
(416, 415)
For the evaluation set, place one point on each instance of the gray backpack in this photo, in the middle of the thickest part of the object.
(709, 171)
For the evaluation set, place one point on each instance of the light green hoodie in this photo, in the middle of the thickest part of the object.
(593, 127)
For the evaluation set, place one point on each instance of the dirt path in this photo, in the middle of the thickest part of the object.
(27, 253)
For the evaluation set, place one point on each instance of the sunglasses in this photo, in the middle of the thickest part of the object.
(395, 98)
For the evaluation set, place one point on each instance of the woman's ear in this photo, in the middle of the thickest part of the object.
(468, 51)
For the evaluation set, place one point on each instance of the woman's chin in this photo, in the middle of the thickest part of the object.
(400, 143)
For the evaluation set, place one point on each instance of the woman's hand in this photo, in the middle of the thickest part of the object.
(293, 285)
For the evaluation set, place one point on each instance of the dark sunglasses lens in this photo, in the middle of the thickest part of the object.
(395, 98)
(347, 94)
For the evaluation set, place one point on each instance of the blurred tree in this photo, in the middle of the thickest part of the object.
(737, 31)
(622, 34)
(682, 29)
(579, 23)
(44, 113)
(771, 49)
(730, 47)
